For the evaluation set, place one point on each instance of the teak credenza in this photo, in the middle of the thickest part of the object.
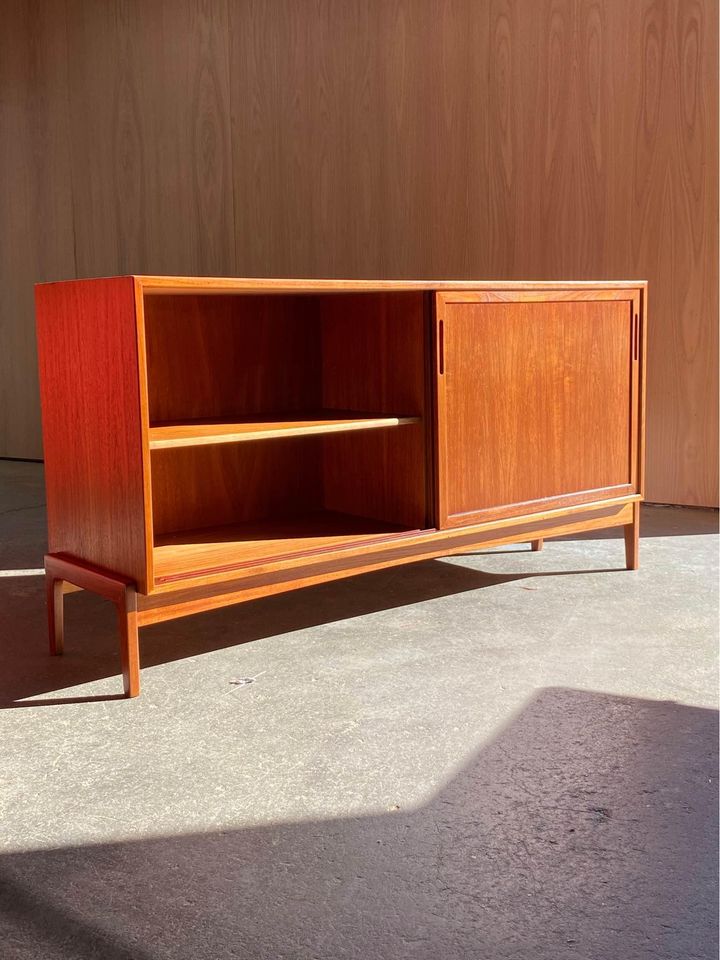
(209, 441)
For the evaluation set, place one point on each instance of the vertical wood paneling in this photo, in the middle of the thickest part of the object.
(152, 172)
(532, 139)
(567, 139)
(36, 236)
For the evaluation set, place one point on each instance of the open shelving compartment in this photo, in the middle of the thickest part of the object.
(282, 424)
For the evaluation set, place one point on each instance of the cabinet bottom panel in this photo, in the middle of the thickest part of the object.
(194, 553)
(529, 507)
(407, 548)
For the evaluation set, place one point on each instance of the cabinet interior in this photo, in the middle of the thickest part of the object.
(283, 424)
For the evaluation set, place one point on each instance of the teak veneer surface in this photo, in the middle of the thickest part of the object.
(206, 449)
(405, 542)
(92, 423)
(381, 550)
(217, 484)
(375, 357)
(449, 139)
(263, 285)
(535, 401)
(199, 432)
(196, 346)
(196, 552)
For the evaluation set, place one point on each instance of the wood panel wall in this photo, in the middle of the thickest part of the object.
(389, 138)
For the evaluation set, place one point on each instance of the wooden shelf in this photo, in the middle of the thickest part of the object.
(220, 522)
(194, 433)
(189, 553)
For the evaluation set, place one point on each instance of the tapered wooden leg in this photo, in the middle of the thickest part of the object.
(536, 545)
(54, 589)
(129, 645)
(632, 540)
(63, 574)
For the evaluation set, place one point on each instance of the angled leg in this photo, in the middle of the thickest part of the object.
(129, 646)
(60, 573)
(632, 540)
(536, 545)
(54, 590)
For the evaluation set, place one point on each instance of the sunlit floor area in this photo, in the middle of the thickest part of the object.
(506, 755)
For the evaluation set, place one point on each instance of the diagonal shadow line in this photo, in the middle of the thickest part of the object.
(62, 701)
(474, 835)
(283, 616)
(75, 936)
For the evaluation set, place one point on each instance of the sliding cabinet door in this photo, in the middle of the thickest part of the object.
(538, 400)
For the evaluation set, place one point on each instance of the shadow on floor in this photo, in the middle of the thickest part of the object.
(661, 521)
(91, 648)
(586, 829)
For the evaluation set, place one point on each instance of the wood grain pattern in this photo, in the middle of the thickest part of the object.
(558, 139)
(61, 572)
(204, 341)
(176, 599)
(93, 433)
(379, 474)
(589, 516)
(544, 386)
(535, 401)
(36, 227)
(373, 353)
(210, 486)
(227, 548)
(150, 122)
(196, 433)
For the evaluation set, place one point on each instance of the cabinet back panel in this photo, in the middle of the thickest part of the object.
(373, 352)
(209, 486)
(378, 474)
(537, 401)
(226, 356)
(373, 358)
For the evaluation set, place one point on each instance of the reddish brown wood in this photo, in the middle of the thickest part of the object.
(54, 589)
(537, 401)
(92, 427)
(187, 554)
(204, 341)
(373, 353)
(535, 391)
(351, 551)
(632, 540)
(187, 286)
(212, 486)
(180, 600)
(144, 427)
(536, 545)
(127, 615)
(198, 433)
(121, 592)
(641, 306)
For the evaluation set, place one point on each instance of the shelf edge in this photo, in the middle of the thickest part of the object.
(279, 432)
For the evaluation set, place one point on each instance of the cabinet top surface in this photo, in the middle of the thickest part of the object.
(157, 284)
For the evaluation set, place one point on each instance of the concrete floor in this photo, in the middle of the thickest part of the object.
(501, 755)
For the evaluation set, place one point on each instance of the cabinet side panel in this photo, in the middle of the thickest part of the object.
(89, 383)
